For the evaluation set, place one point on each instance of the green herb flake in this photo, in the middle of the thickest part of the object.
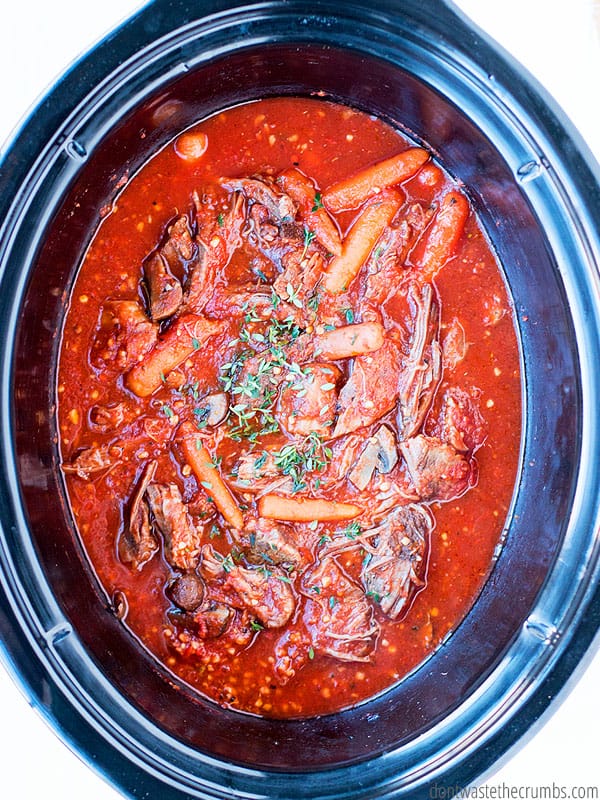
(352, 530)
(309, 236)
(221, 220)
(318, 202)
(293, 295)
(311, 653)
(227, 563)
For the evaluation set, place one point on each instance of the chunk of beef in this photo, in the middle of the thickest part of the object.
(230, 302)
(338, 616)
(291, 654)
(253, 466)
(213, 619)
(386, 267)
(92, 460)
(264, 593)
(124, 335)
(137, 544)
(307, 401)
(437, 471)
(454, 344)
(270, 542)
(256, 472)
(302, 270)
(219, 237)
(395, 565)
(265, 192)
(107, 418)
(181, 537)
(421, 372)
(460, 422)
(371, 390)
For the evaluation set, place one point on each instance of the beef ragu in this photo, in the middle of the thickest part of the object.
(289, 406)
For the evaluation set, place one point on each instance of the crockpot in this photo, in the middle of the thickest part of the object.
(535, 188)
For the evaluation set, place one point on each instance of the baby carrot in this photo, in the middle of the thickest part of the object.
(311, 209)
(439, 241)
(360, 240)
(353, 191)
(183, 338)
(275, 506)
(208, 475)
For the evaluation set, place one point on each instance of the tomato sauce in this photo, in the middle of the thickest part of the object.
(131, 430)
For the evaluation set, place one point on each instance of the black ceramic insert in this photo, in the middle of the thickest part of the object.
(534, 186)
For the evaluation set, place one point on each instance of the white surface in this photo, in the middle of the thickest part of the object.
(558, 42)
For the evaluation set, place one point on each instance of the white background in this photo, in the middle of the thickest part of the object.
(559, 43)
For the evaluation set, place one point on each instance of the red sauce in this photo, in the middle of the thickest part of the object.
(474, 328)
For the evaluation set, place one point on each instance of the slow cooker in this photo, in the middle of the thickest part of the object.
(420, 67)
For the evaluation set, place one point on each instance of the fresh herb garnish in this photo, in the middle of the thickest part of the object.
(352, 530)
(318, 202)
(308, 238)
(297, 461)
(167, 411)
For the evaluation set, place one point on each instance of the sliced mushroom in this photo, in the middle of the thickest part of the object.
(138, 543)
(213, 619)
(362, 472)
(379, 454)
(213, 410)
(388, 452)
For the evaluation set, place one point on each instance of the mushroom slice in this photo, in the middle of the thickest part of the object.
(379, 454)
(387, 457)
(138, 543)
(362, 472)
(213, 410)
